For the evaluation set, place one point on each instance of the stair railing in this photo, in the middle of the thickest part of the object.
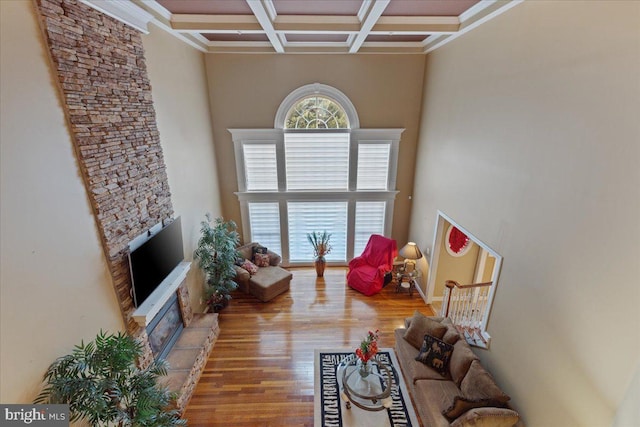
(465, 305)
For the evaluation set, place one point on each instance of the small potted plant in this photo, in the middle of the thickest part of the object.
(216, 254)
(321, 247)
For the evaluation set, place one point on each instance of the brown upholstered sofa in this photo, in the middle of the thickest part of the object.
(267, 282)
(466, 395)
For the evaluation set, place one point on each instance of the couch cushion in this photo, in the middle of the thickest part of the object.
(478, 384)
(246, 251)
(431, 398)
(413, 370)
(487, 417)
(435, 353)
(461, 361)
(461, 405)
(420, 326)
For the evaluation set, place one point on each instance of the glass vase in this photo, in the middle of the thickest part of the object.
(364, 368)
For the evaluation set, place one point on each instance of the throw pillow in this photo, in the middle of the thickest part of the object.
(460, 360)
(451, 336)
(239, 261)
(259, 249)
(478, 384)
(461, 405)
(261, 260)
(435, 353)
(487, 416)
(250, 267)
(421, 325)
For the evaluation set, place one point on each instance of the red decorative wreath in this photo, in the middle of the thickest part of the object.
(457, 240)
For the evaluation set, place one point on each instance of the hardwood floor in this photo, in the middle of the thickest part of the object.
(260, 372)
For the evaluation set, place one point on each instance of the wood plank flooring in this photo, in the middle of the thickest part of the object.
(260, 372)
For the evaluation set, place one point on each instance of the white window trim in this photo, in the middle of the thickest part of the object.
(320, 90)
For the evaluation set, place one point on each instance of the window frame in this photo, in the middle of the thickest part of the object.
(352, 195)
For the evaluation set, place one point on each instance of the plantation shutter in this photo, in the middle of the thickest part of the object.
(373, 166)
(264, 219)
(369, 220)
(317, 161)
(261, 170)
(306, 217)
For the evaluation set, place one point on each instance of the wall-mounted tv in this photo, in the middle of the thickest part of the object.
(152, 261)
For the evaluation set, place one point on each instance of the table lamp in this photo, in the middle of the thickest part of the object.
(410, 252)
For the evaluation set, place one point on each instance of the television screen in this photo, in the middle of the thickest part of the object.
(152, 261)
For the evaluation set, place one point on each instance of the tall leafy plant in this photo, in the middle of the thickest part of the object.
(216, 255)
(102, 385)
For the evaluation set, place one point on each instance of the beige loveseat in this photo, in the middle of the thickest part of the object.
(466, 395)
(267, 282)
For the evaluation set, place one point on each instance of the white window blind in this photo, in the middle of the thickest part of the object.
(317, 161)
(261, 169)
(369, 220)
(306, 217)
(373, 166)
(264, 219)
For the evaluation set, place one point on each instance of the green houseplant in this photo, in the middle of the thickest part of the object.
(216, 255)
(102, 385)
(321, 247)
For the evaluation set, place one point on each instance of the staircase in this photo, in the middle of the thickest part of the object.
(467, 306)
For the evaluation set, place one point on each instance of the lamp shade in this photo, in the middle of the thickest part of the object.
(410, 251)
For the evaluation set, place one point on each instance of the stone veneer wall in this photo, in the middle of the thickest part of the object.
(102, 75)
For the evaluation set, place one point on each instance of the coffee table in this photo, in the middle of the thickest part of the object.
(330, 410)
(371, 392)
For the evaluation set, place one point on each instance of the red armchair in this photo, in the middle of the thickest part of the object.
(367, 272)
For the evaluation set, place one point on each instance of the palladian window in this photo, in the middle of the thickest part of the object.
(316, 170)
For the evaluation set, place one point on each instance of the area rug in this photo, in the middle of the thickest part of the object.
(331, 411)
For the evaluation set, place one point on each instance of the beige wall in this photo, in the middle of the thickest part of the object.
(55, 289)
(246, 91)
(537, 112)
(181, 100)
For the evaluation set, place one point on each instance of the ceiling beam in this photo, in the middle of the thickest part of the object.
(261, 13)
(418, 24)
(375, 12)
(213, 23)
(315, 23)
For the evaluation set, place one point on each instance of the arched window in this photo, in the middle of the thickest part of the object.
(316, 170)
(317, 112)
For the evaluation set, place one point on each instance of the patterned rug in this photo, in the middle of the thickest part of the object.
(331, 411)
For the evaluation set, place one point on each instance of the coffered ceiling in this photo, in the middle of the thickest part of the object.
(316, 26)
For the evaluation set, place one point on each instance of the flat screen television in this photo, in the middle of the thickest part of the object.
(152, 261)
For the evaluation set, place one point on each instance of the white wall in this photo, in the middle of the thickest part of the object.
(530, 139)
(55, 289)
(181, 100)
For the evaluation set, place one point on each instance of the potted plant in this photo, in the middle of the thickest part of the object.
(103, 386)
(321, 247)
(216, 255)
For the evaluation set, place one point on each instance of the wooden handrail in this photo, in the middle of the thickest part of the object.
(451, 283)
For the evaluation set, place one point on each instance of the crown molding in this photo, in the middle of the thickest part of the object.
(124, 11)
